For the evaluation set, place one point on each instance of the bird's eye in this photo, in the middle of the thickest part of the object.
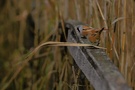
(78, 29)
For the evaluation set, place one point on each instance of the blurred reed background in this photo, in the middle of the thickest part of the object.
(24, 24)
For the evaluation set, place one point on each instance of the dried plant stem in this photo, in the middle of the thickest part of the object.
(77, 7)
(123, 41)
(107, 28)
(66, 44)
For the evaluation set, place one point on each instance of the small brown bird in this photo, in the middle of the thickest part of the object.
(92, 34)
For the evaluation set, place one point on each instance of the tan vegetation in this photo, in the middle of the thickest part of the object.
(25, 24)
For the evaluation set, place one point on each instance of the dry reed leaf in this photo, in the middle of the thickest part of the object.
(118, 19)
(105, 23)
(67, 44)
(28, 58)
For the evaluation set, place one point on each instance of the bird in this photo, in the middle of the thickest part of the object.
(92, 34)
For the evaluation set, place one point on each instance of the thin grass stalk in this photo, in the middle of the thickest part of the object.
(86, 11)
(114, 54)
(132, 63)
(110, 31)
(36, 17)
(61, 19)
(129, 45)
(82, 9)
(90, 12)
(103, 38)
(46, 25)
(62, 23)
(96, 21)
(66, 9)
(123, 40)
(77, 8)
(119, 32)
(105, 22)
(119, 35)
(21, 32)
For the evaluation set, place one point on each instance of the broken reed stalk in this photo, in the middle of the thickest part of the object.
(106, 26)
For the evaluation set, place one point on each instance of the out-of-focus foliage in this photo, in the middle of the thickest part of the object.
(24, 24)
